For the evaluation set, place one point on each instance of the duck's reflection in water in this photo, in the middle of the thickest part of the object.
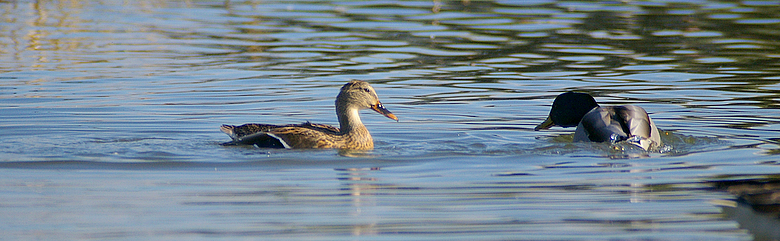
(360, 187)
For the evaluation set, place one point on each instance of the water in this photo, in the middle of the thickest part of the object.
(109, 115)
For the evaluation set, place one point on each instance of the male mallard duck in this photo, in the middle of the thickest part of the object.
(354, 96)
(600, 124)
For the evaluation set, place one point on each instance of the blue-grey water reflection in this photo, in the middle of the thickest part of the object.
(109, 115)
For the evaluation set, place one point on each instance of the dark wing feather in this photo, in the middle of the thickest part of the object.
(265, 135)
(246, 129)
(600, 125)
(261, 139)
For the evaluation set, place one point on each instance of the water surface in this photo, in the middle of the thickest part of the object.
(109, 114)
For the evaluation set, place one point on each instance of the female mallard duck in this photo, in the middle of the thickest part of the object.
(599, 124)
(354, 96)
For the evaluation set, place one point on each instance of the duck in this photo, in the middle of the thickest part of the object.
(596, 123)
(351, 134)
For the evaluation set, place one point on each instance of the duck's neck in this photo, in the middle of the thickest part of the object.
(350, 124)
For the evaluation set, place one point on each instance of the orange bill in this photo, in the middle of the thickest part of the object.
(379, 108)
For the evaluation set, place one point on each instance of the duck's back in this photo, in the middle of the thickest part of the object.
(305, 135)
(618, 123)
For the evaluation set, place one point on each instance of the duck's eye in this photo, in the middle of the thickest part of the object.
(366, 90)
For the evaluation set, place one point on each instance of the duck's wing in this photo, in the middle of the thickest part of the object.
(250, 134)
(320, 127)
(619, 123)
(638, 124)
(601, 125)
(635, 119)
(238, 132)
(305, 135)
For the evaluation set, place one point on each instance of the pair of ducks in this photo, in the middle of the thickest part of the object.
(594, 123)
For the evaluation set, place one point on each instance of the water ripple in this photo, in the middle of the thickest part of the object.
(111, 124)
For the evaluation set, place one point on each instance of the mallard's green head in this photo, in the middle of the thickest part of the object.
(568, 109)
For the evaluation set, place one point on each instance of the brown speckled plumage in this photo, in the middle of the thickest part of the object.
(354, 96)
